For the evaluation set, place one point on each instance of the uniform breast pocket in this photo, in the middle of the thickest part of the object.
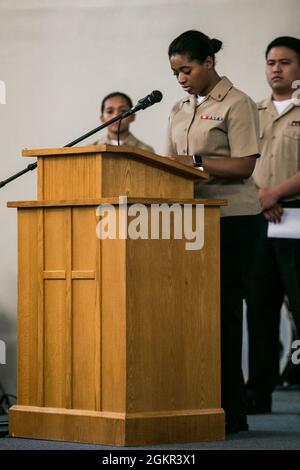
(291, 146)
(292, 132)
(217, 139)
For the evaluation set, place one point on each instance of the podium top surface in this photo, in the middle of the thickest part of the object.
(115, 201)
(133, 152)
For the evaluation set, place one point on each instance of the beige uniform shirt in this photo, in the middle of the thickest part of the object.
(225, 124)
(280, 144)
(131, 141)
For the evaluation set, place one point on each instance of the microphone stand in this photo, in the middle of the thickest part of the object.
(32, 166)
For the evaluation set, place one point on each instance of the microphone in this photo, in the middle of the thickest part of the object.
(149, 100)
(143, 103)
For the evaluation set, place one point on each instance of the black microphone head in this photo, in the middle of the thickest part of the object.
(147, 101)
(156, 96)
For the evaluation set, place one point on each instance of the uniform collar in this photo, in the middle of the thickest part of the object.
(218, 93)
(269, 106)
(221, 89)
(130, 140)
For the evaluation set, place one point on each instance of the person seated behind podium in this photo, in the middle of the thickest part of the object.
(113, 104)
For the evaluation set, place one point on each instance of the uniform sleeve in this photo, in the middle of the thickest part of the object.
(146, 147)
(169, 146)
(132, 141)
(243, 128)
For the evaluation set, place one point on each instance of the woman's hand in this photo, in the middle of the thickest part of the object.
(229, 168)
(186, 160)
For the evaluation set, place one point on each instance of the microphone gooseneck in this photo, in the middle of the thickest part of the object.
(143, 103)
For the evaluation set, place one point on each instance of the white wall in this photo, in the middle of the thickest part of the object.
(59, 57)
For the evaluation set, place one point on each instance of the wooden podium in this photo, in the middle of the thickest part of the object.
(118, 339)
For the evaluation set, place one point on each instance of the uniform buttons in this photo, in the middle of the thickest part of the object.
(183, 151)
(185, 129)
(273, 137)
(272, 156)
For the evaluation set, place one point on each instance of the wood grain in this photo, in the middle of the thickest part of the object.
(119, 339)
(118, 429)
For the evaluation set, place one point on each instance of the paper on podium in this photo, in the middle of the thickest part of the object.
(288, 227)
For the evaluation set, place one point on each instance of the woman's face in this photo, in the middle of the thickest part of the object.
(191, 75)
(113, 107)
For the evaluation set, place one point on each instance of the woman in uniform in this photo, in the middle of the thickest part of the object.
(215, 128)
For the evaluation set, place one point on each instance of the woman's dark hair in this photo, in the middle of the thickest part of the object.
(112, 95)
(195, 45)
(285, 41)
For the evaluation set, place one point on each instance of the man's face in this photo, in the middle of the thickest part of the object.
(282, 69)
(112, 107)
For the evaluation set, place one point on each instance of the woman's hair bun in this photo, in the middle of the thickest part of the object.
(217, 45)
